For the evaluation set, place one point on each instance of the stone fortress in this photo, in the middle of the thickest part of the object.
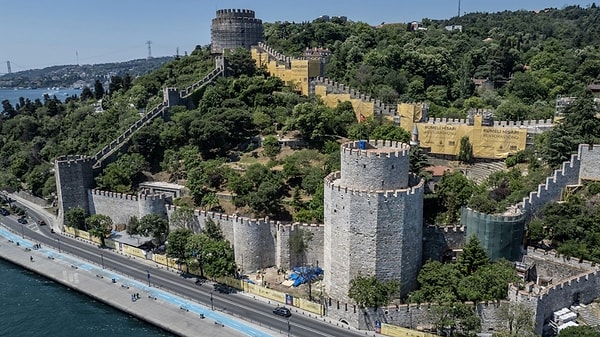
(373, 207)
(373, 217)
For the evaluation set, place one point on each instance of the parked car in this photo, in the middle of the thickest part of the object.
(282, 311)
(4, 211)
(22, 220)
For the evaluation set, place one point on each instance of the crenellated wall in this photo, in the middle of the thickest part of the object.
(589, 156)
(373, 210)
(74, 177)
(581, 288)
(439, 243)
(120, 207)
(553, 188)
(235, 28)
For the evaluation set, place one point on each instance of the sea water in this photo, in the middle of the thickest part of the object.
(31, 305)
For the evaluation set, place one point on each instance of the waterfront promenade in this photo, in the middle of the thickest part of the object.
(176, 315)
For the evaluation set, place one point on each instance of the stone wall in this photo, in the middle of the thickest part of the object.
(552, 190)
(235, 28)
(439, 242)
(590, 157)
(412, 316)
(373, 213)
(74, 177)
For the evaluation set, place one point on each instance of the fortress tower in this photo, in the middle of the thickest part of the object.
(373, 217)
(235, 28)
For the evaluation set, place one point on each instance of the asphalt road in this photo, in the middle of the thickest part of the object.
(223, 299)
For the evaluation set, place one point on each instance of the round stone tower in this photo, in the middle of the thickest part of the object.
(235, 28)
(373, 217)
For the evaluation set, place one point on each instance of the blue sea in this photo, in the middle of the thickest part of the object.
(13, 94)
(31, 305)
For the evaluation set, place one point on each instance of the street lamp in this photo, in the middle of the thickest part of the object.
(148, 277)
(58, 244)
(22, 232)
(102, 259)
(212, 307)
(289, 327)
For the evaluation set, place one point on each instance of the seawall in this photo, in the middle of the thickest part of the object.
(99, 286)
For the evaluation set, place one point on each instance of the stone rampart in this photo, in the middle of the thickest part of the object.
(553, 188)
(412, 316)
(590, 157)
(120, 207)
(333, 87)
(74, 177)
(440, 243)
(377, 166)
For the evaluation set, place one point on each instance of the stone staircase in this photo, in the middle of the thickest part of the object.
(218, 71)
(586, 315)
(109, 150)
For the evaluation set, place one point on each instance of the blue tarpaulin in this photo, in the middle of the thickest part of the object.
(301, 275)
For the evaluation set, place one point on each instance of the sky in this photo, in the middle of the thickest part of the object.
(41, 33)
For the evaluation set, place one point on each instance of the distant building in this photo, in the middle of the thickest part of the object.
(452, 28)
(416, 25)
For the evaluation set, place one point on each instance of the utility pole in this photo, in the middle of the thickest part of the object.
(149, 43)
(459, 8)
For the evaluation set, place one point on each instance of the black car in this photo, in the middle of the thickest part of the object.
(4, 211)
(22, 220)
(282, 311)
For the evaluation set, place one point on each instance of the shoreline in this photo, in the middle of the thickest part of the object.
(149, 308)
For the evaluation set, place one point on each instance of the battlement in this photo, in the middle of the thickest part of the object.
(447, 229)
(574, 282)
(244, 220)
(377, 148)
(235, 13)
(551, 190)
(473, 214)
(556, 258)
(130, 197)
(334, 87)
(383, 194)
(275, 54)
(74, 159)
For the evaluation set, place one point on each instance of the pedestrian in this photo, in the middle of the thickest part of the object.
(31, 258)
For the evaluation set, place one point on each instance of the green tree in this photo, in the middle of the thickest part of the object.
(98, 90)
(177, 242)
(580, 331)
(132, 225)
(454, 191)
(100, 226)
(472, 257)
(75, 218)
(154, 225)
(196, 248)
(271, 147)
(213, 230)
(465, 153)
(369, 292)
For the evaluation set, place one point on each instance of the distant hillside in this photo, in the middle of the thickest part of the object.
(79, 75)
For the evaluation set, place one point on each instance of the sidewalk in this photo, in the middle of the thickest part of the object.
(167, 311)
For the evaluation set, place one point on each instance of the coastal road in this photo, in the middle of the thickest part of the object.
(257, 311)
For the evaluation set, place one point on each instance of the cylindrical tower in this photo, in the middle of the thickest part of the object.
(373, 217)
(235, 28)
